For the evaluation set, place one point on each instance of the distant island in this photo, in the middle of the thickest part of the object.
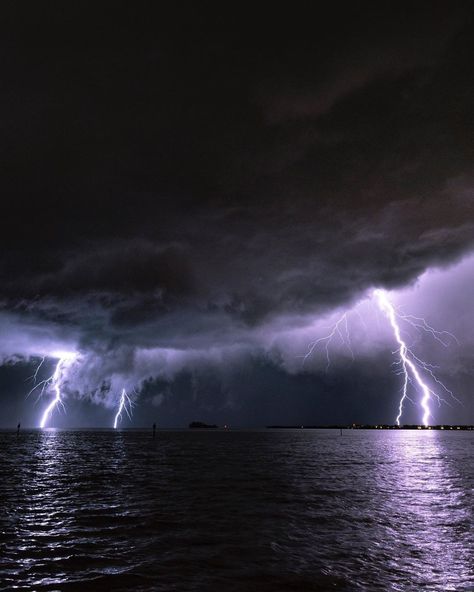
(200, 425)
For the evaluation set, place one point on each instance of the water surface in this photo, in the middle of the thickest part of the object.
(262, 510)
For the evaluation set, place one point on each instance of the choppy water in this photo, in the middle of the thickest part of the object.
(269, 510)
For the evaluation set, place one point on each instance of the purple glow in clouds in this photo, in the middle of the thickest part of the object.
(107, 375)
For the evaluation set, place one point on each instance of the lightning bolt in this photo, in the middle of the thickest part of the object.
(43, 383)
(336, 331)
(411, 365)
(35, 375)
(54, 382)
(442, 337)
(125, 404)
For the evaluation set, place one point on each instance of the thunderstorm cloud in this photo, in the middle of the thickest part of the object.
(188, 198)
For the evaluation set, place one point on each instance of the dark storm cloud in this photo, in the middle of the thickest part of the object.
(115, 268)
(379, 51)
(184, 179)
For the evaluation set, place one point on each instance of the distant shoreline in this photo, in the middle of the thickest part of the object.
(217, 428)
(370, 427)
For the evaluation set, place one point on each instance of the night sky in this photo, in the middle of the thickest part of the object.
(190, 198)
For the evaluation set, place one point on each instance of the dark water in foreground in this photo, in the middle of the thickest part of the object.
(283, 510)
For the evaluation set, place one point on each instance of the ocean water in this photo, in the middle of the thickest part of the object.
(237, 510)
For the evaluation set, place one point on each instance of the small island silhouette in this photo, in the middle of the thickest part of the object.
(201, 425)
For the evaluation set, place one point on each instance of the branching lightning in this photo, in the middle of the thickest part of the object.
(409, 365)
(408, 361)
(125, 404)
(412, 365)
(336, 331)
(53, 382)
